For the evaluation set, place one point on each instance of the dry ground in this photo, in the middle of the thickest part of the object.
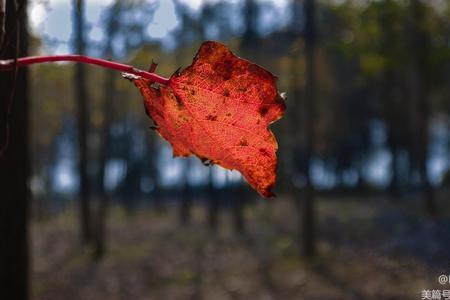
(368, 249)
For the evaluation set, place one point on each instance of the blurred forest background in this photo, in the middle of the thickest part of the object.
(93, 206)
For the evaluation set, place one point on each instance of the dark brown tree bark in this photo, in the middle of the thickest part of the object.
(81, 96)
(14, 159)
(420, 47)
(251, 24)
(390, 104)
(2, 21)
(102, 210)
(213, 204)
(308, 217)
(237, 208)
(186, 197)
(109, 90)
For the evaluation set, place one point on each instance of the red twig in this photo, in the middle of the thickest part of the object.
(7, 65)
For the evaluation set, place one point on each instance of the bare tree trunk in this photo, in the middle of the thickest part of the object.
(213, 204)
(238, 204)
(309, 230)
(2, 21)
(111, 27)
(186, 197)
(185, 208)
(387, 20)
(394, 187)
(392, 118)
(102, 212)
(251, 25)
(81, 97)
(14, 160)
(420, 48)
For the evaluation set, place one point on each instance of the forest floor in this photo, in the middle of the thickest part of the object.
(367, 249)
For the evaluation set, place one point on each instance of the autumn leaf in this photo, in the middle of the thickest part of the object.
(219, 109)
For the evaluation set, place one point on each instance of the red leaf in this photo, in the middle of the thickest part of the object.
(219, 109)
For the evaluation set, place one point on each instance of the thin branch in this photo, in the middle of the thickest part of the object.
(7, 65)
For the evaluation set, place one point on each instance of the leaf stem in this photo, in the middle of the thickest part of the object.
(7, 65)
